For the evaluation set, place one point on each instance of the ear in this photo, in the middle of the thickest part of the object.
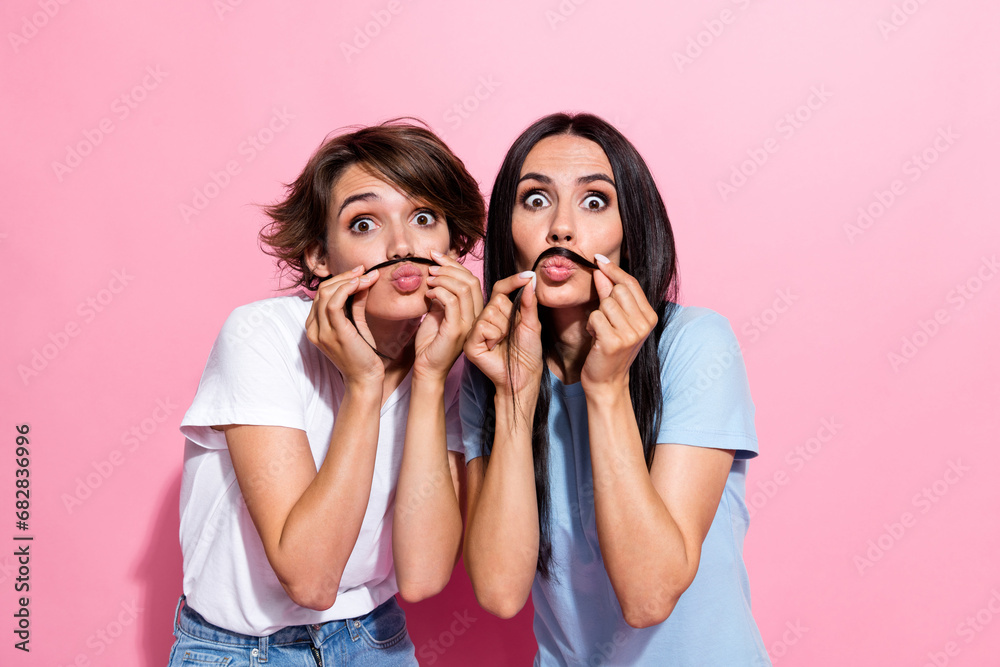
(316, 260)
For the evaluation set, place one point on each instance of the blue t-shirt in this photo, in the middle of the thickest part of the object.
(706, 403)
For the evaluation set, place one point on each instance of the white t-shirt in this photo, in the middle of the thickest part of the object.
(264, 371)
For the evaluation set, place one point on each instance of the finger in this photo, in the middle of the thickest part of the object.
(449, 302)
(626, 302)
(619, 276)
(466, 277)
(511, 283)
(463, 292)
(529, 306)
(599, 327)
(603, 285)
(485, 333)
(330, 283)
(498, 310)
(334, 309)
(359, 303)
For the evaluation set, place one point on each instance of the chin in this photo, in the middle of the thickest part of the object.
(557, 298)
(399, 307)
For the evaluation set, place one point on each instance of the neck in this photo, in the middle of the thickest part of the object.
(572, 341)
(394, 340)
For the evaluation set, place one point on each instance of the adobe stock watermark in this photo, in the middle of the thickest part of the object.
(364, 35)
(899, 16)
(754, 328)
(32, 24)
(559, 15)
(248, 150)
(88, 310)
(224, 7)
(914, 167)
(712, 30)
(924, 500)
(796, 459)
(790, 637)
(121, 108)
(968, 629)
(432, 649)
(786, 127)
(461, 111)
(107, 634)
(429, 486)
(957, 298)
(104, 468)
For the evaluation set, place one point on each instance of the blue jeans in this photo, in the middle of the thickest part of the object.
(379, 638)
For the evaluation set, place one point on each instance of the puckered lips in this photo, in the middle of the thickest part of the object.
(558, 263)
(407, 277)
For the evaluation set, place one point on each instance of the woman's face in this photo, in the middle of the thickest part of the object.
(566, 197)
(370, 221)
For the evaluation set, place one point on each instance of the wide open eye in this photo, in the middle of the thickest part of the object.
(594, 202)
(362, 225)
(534, 200)
(424, 218)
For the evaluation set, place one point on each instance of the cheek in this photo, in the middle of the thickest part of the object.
(525, 246)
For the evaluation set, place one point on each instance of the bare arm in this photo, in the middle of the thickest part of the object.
(650, 525)
(308, 519)
(502, 534)
(427, 522)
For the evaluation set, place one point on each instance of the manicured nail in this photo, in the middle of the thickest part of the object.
(602, 259)
(436, 255)
(534, 281)
(357, 268)
(526, 274)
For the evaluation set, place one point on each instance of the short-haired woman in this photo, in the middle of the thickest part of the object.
(323, 456)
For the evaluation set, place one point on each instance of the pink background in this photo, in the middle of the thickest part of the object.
(866, 546)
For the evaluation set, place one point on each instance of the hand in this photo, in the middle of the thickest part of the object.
(456, 301)
(619, 326)
(328, 328)
(487, 343)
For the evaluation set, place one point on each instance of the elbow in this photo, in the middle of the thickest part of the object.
(647, 615)
(420, 590)
(311, 595)
(654, 607)
(501, 603)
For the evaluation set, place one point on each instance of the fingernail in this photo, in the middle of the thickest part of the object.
(602, 259)
(436, 255)
(526, 274)
(357, 268)
(534, 281)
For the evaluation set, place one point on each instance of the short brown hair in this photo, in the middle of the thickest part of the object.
(410, 157)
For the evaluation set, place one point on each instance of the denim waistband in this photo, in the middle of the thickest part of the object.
(191, 622)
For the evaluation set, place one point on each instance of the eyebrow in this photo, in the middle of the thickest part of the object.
(364, 196)
(583, 180)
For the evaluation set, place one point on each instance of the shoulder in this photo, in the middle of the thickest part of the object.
(692, 328)
(282, 316)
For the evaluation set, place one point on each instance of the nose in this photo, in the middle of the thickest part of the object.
(400, 241)
(562, 230)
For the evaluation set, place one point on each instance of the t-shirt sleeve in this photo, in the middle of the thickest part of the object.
(704, 382)
(452, 409)
(472, 404)
(249, 378)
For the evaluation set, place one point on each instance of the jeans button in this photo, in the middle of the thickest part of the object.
(357, 624)
(254, 652)
(316, 626)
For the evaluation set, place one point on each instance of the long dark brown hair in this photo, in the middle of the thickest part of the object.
(647, 254)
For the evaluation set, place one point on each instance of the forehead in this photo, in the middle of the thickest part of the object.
(566, 154)
(358, 178)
